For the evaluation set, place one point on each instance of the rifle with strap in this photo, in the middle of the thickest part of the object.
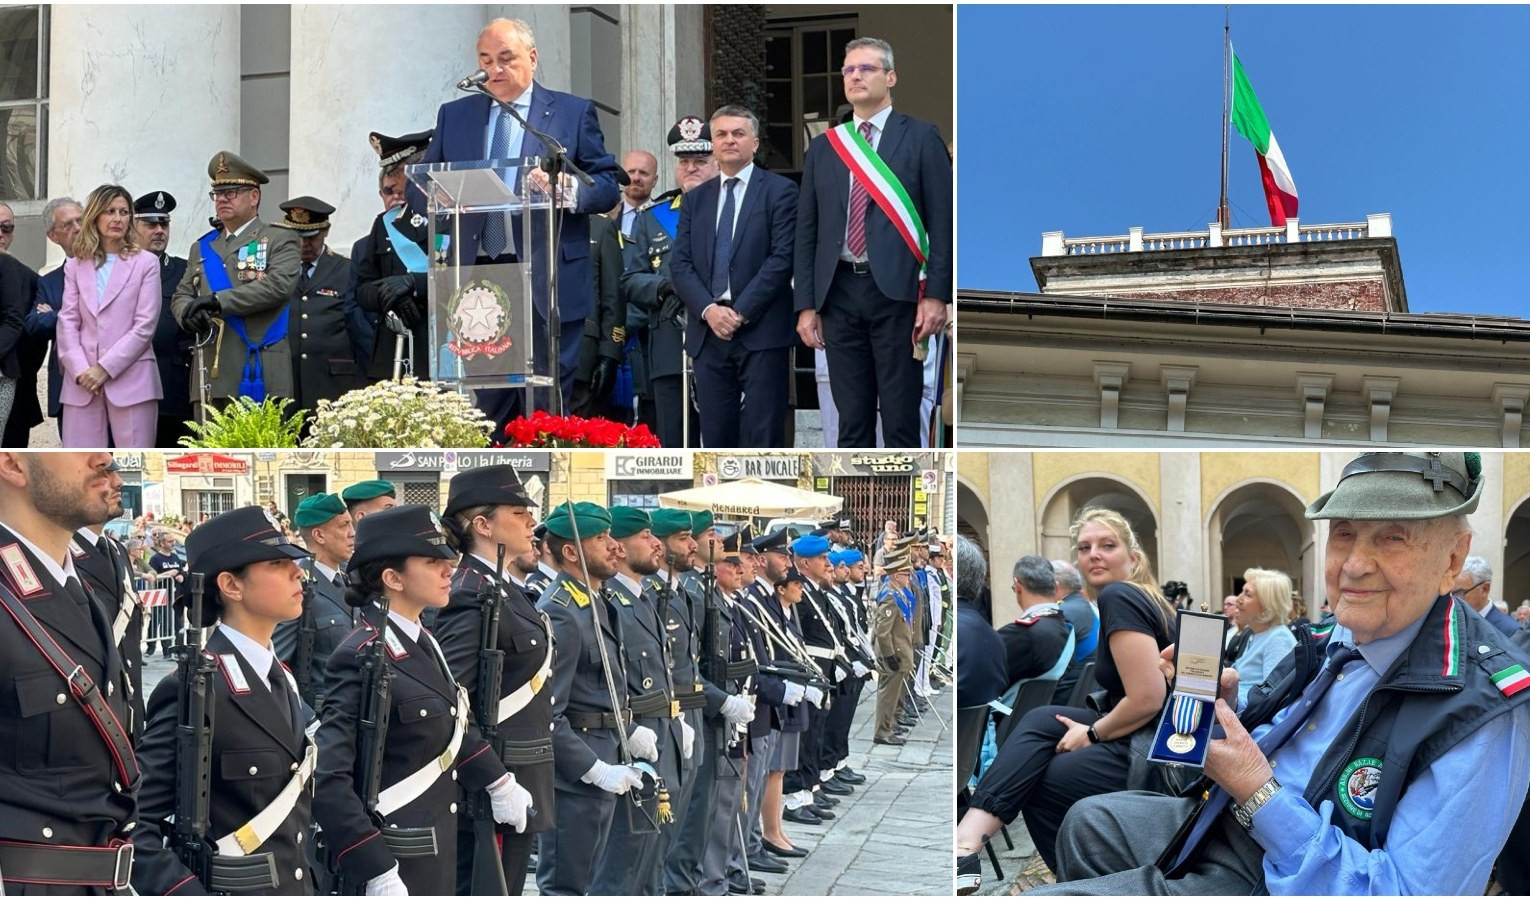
(307, 636)
(372, 731)
(193, 745)
(488, 877)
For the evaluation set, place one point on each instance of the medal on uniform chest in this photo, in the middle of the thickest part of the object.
(243, 260)
(656, 260)
(1187, 715)
(417, 220)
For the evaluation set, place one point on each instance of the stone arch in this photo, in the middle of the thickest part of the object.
(1063, 502)
(1261, 522)
(1514, 581)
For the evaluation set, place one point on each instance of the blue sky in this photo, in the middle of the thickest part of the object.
(1091, 119)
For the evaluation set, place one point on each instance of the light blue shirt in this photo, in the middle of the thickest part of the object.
(743, 177)
(1261, 655)
(1446, 831)
(522, 105)
(103, 275)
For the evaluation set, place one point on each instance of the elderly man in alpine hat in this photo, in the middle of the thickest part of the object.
(1350, 770)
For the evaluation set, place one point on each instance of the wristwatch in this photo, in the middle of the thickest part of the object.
(1245, 810)
(1094, 736)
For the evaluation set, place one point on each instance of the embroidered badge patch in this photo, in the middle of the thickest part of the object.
(26, 580)
(1357, 786)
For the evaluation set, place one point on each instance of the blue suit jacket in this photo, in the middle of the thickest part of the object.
(41, 326)
(916, 153)
(459, 137)
(1502, 620)
(760, 270)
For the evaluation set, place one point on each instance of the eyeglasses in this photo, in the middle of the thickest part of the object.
(7, 227)
(865, 69)
(227, 192)
(1472, 588)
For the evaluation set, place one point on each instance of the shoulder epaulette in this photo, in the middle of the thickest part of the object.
(1030, 619)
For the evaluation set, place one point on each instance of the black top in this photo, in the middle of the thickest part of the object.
(1032, 643)
(1125, 607)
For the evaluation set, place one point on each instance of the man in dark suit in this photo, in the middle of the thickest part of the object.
(172, 346)
(390, 268)
(474, 128)
(63, 216)
(1474, 586)
(733, 268)
(324, 363)
(654, 311)
(21, 357)
(864, 294)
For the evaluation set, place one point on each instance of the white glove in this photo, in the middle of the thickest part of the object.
(738, 709)
(687, 739)
(794, 694)
(644, 743)
(510, 802)
(388, 884)
(860, 669)
(814, 696)
(612, 779)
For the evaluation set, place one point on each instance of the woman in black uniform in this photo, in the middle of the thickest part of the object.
(487, 509)
(1057, 755)
(403, 843)
(261, 788)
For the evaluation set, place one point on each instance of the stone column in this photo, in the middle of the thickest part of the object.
(1011, 526)
(142, 96)
(662, 79)
(398, 65)
(1181, 549)
(1490, 520)
(550, 23)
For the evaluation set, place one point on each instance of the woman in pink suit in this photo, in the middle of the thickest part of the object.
(106, 329)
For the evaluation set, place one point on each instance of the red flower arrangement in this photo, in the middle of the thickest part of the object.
(543, 429)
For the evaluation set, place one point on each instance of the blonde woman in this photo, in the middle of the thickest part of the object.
(111, 388)
(1264, 607)
(1057, 755)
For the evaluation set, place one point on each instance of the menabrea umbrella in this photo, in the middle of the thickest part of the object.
(753, 497)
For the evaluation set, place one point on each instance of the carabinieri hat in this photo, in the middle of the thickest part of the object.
(669, 521)
(792, 574)
(226, 169)
(487, 486)
(774, 542)
(690, 137)
(397, 149)
(155, 207)
(627, 521)
(411, 529)
(732, 547)
(368, 490)
(1403, 486)
(590, 518)
(231, 541)
(306, 214)
(317, 509)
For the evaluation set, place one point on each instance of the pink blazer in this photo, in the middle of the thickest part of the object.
(117, 332)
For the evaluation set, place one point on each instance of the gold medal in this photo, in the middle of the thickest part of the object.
(1182, 743)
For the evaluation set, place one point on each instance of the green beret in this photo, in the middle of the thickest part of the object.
(317, 509)
(368, 490)
(669, 521)
(626, 521)
(590, 518)
(700, 521)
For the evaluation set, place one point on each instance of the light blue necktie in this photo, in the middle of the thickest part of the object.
(493, 243)
(722, 256)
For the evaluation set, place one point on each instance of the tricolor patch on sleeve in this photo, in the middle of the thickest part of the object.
(1512, 680)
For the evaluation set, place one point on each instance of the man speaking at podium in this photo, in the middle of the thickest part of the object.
(473, 128)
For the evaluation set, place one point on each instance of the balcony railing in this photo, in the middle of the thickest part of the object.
(1054, 243)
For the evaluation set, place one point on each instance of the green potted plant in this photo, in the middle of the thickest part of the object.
(246, 423)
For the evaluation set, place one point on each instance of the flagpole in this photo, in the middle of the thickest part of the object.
(1224, 215)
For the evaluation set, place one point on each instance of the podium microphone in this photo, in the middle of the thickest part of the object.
(473, 80)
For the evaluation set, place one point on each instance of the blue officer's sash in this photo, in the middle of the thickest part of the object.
(668, 215)
(409, 253)
(252, 383)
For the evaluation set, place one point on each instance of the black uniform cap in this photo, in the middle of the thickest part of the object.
(487, 486)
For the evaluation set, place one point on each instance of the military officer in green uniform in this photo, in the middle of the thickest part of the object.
(242, 273)
(331, 537)
(655, 314)
(592, 764)
(323, 360)
(893, 637)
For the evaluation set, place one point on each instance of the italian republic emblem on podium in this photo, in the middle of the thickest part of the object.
(480, 320)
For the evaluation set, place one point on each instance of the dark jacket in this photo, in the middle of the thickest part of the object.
(324, 364)
(18, 287)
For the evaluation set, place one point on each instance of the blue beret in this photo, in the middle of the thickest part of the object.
(851, 557)
(810, 545)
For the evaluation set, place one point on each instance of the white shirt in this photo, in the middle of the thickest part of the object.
(878, 124)
(738, 204)
(410, 629)
(260, 658)
(487, 562)
(545, 569)
(103, 275)
(633, 586)
(90, 537)
(324, 572)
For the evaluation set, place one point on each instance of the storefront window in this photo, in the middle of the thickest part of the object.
(23, 101)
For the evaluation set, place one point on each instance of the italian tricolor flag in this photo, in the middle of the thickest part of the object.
(1248, 116)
